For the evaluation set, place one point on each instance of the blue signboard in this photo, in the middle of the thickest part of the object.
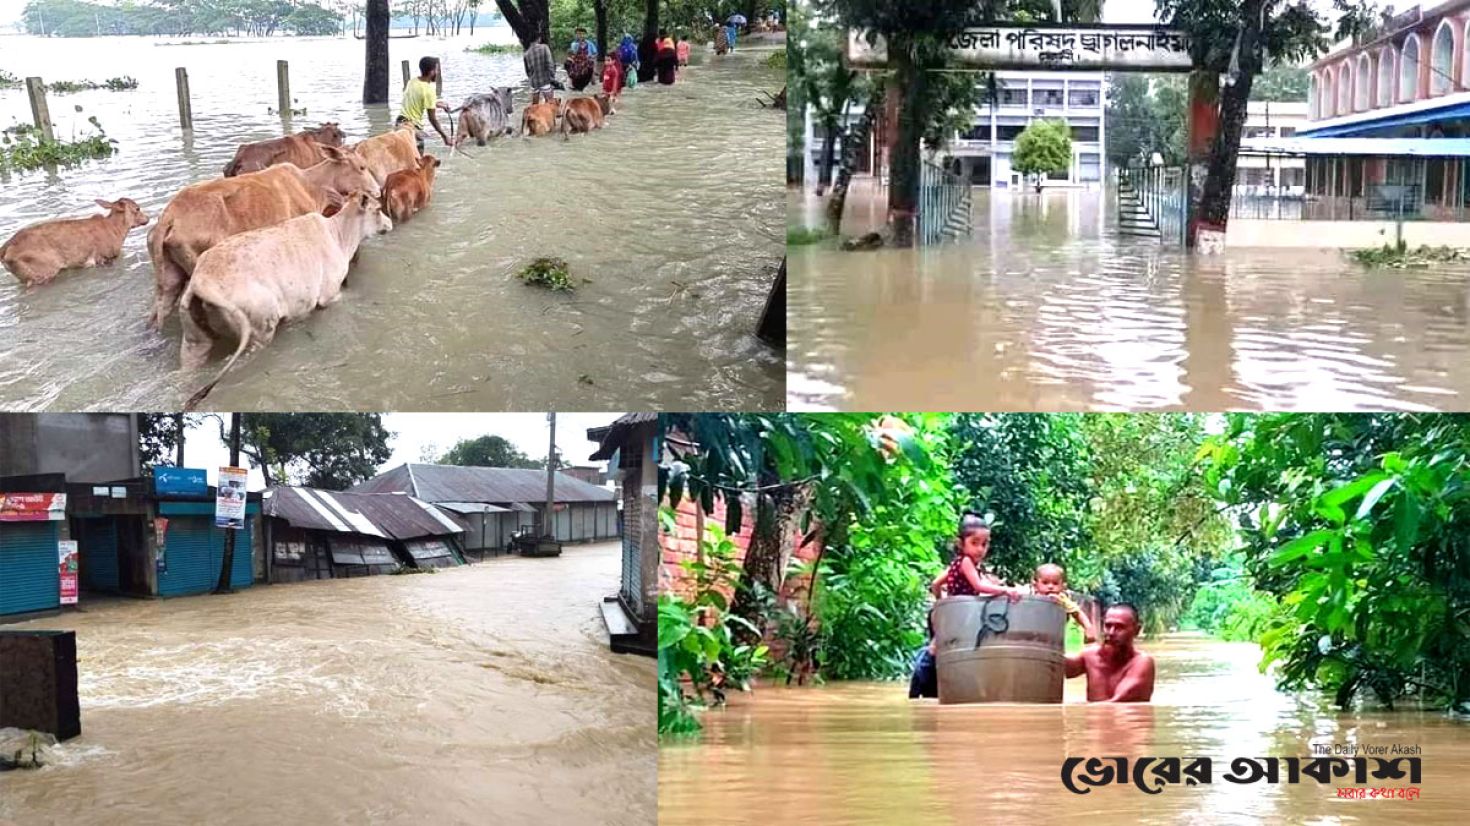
(180, 481)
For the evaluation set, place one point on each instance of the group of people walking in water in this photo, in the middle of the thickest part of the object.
(1116, 670)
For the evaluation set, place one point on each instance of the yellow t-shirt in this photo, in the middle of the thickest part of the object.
(418, 98)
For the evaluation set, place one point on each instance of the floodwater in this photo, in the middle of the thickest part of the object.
(674, 213)
(1047, 308)
(473, 695)
(862, 753)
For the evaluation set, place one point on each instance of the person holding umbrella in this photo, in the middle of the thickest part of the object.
(732, 27)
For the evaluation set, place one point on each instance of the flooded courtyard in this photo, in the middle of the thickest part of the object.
(672, 214)
(862, 753)
(1046, 307)
(474, 695)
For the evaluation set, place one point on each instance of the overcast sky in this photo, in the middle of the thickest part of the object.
(415, 433)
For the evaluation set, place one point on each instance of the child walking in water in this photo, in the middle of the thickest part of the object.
(1050, 580)
(965, 576)
(683, 50)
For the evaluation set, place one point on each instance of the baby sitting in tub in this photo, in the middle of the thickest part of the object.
(1050, 580)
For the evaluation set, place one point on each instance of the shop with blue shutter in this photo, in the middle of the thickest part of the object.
(32, 526)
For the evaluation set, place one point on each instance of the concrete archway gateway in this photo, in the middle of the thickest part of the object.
(1087, 47)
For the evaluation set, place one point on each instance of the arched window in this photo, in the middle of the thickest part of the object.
(1385, 78)
(1409, 70)
(1363, 82)
(1345, 89)
(1314, 92)
(1326, 106)
(1442, 66)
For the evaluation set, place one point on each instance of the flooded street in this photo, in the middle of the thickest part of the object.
(673, 213)
(1047, 308)
(474, 695)
(862, 753)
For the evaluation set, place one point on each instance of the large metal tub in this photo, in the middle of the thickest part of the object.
(1019, 658)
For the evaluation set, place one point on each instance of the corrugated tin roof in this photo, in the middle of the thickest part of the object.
(1379, 147)
(608, 437)
(450, 483)
(390, 516)
(472, 507)
(1427, 110)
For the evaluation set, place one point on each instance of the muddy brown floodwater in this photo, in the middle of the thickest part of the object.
(1047, 308)
(484, 694)
(862, 753)
(673, 213)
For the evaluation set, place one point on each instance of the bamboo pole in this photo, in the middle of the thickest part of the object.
(186, 111)
(283, 88)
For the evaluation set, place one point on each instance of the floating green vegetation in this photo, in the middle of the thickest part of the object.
(1399, 256)
(9, 81)
(777, 60)
(551, 273)
(496, 48)
(112, 84)
(801, 236)
(22, 148)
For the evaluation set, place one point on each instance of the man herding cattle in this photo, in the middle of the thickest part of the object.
(420, 99)
(540, 70)
(1116, 671)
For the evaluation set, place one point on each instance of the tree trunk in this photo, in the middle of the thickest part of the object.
(528, 20)
(600, 9)
(824, 173)
(769, 554)
(903, 167)
(375, 77)
(179, 448)
(223, 587)
(853, 143)
(1214, 206)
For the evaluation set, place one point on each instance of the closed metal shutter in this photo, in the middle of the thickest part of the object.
(98, 548)
(30, 578)
(194, 550)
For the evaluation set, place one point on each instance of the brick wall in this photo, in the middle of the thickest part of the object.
(683, 545)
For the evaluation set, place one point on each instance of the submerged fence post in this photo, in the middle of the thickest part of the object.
(40, 113)
(283, 87)
(405, 73)
(186, 111)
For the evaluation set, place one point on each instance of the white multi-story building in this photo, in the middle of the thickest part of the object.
(1261, 174)
(982, 154)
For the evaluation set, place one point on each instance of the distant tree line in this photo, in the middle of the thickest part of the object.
(255, 18)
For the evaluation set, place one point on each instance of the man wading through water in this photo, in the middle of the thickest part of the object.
(540, 70)
(420, 99)
(1116, 671)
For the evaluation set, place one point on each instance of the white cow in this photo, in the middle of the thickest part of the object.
(249, 283)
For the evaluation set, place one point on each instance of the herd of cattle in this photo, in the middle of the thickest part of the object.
(272, 240)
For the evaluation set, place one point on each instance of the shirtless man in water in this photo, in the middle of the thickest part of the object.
(1116, 671)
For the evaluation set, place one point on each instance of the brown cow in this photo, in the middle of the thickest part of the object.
(247, 284)
(408, 190)
(38, 252)
(203, 214)
(303, 149)
(585, 114)
(540, 118)
(388, 153)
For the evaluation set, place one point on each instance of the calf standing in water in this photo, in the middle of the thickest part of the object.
(408, 190)
(486, 115)
(37, 253)
(247, 284)
(584, 114)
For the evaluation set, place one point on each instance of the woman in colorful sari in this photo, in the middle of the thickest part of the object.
(722, 40)
(579, 65)
(668, 59)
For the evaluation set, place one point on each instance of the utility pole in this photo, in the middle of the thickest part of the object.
(223, 587)
(179, 447)
(548, 528)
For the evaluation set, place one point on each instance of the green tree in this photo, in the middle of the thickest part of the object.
(1238, 40)
(1355, 524)
(161, 436)
(489, 451)
(1282, 83)
(321, 450)
(1044, 146)
(1147, 114)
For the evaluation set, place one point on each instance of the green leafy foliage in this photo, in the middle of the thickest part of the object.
(1146, 113)
(1356, 524)
(257, 18)
(489, 451)
(1282, 83)
(321, 450)
(1042, 147)
(23, 148)
(1227, 606)
(551, 273)
(1400, 256)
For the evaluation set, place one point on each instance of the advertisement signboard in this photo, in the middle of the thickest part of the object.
(229, 500)
(32, 507)
(67, 556)
(180, 481)
(160, 531)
